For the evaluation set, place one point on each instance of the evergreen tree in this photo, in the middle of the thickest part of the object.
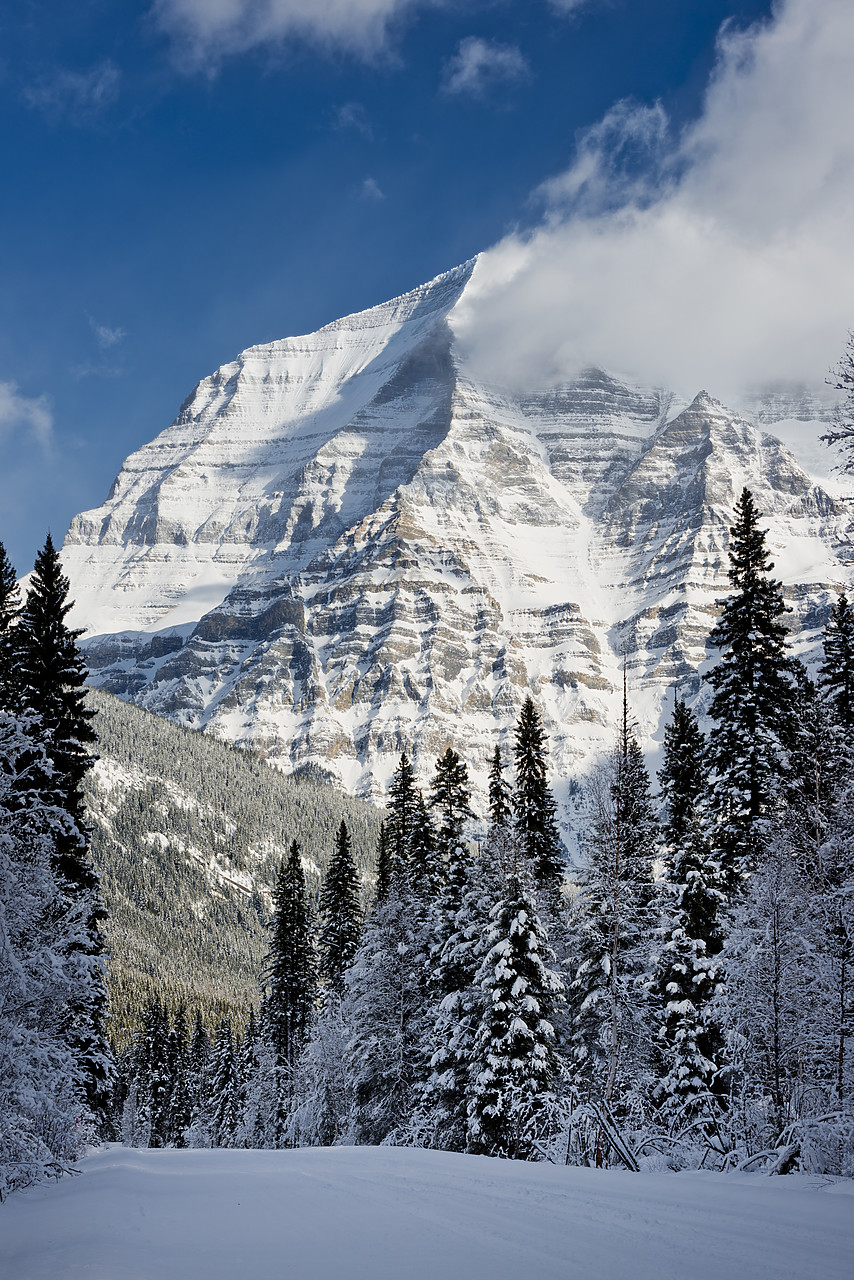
(291, 973)
(340, 915)
(10, 606)
(225, 1088)
(385, 1010)
(402, 810)
(514, 1062)
(50, 674)
(43, 1117)
(501, 841)
(753, 698)
(425, 869)
(686, 974)
(450, 803)
(383, 863)
(617, 915)
(836, 678)
(534, 807)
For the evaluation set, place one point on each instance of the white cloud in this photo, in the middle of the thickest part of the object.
(75, 93)
(479, 65)
(352, 115)
(106, 336)
(210, 29)
(25, 414)
(370, 190)
(723, 258)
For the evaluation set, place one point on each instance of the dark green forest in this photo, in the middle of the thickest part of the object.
(188, 834)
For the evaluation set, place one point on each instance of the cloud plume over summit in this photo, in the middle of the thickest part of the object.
(720, 257)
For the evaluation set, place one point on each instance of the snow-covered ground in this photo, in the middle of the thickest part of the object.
(393, 1214)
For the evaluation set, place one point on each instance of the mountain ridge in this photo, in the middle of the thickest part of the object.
(345, 547)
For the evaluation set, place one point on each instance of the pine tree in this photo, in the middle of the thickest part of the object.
(514, 1063)
(501, 839)
(225, 1087)
(450, 803)
(617, 914)
(386, 1011)
(686, 975)
(383, 863)
(402, 809)
(340, 915)
(50, 676)
(753, 698)
(291, 973)
(425, 869)
(42, 1113)
(534, 807)
(836, 679)
(10, 605)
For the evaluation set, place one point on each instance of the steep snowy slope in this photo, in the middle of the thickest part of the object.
(344, 547)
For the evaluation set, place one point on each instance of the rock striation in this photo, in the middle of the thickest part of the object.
(345, 547)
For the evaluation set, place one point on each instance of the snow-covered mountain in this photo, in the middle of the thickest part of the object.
(344, 547)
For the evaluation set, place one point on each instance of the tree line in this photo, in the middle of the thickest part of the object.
(683, 999)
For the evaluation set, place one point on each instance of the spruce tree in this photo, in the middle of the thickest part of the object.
(686, 976)
(291, 973)
(340, 915)
(501, 840)
(402, 810)
(450, 803)
(383, 863)
(43, 1118)
(225, 1088)
(836, 679)
(616, 918)
(425, 869)
(386, 1010)
(753, 698)
(514, 1062)
(10, 605)
(50, 675)
(535, 811)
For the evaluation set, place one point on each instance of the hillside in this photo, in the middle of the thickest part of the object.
(187, 833)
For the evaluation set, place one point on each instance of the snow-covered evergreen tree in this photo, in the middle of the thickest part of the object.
(383, 863)
(514, 1063)
(10, 605)
(339, 915)
(753, 700)
(50, 675)
(534, 808)
(402, 809)
(686, 974)
(386, 1009)
(291, 973)
(616, 917)
(837, 671)
(225, 1088)
(44, 1117)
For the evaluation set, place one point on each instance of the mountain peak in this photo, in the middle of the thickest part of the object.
(342, 549)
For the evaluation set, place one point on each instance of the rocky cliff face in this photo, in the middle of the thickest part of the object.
(343, 547)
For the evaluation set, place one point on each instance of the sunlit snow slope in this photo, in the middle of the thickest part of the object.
(391, 1213)
(344, 547)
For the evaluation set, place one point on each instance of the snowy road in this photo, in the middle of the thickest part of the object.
(392, 1214)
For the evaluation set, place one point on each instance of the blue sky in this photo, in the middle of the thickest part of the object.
(185, 178)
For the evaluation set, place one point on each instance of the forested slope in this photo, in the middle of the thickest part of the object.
(187, 833)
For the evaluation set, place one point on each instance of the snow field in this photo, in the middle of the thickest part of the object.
(363, 1213)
